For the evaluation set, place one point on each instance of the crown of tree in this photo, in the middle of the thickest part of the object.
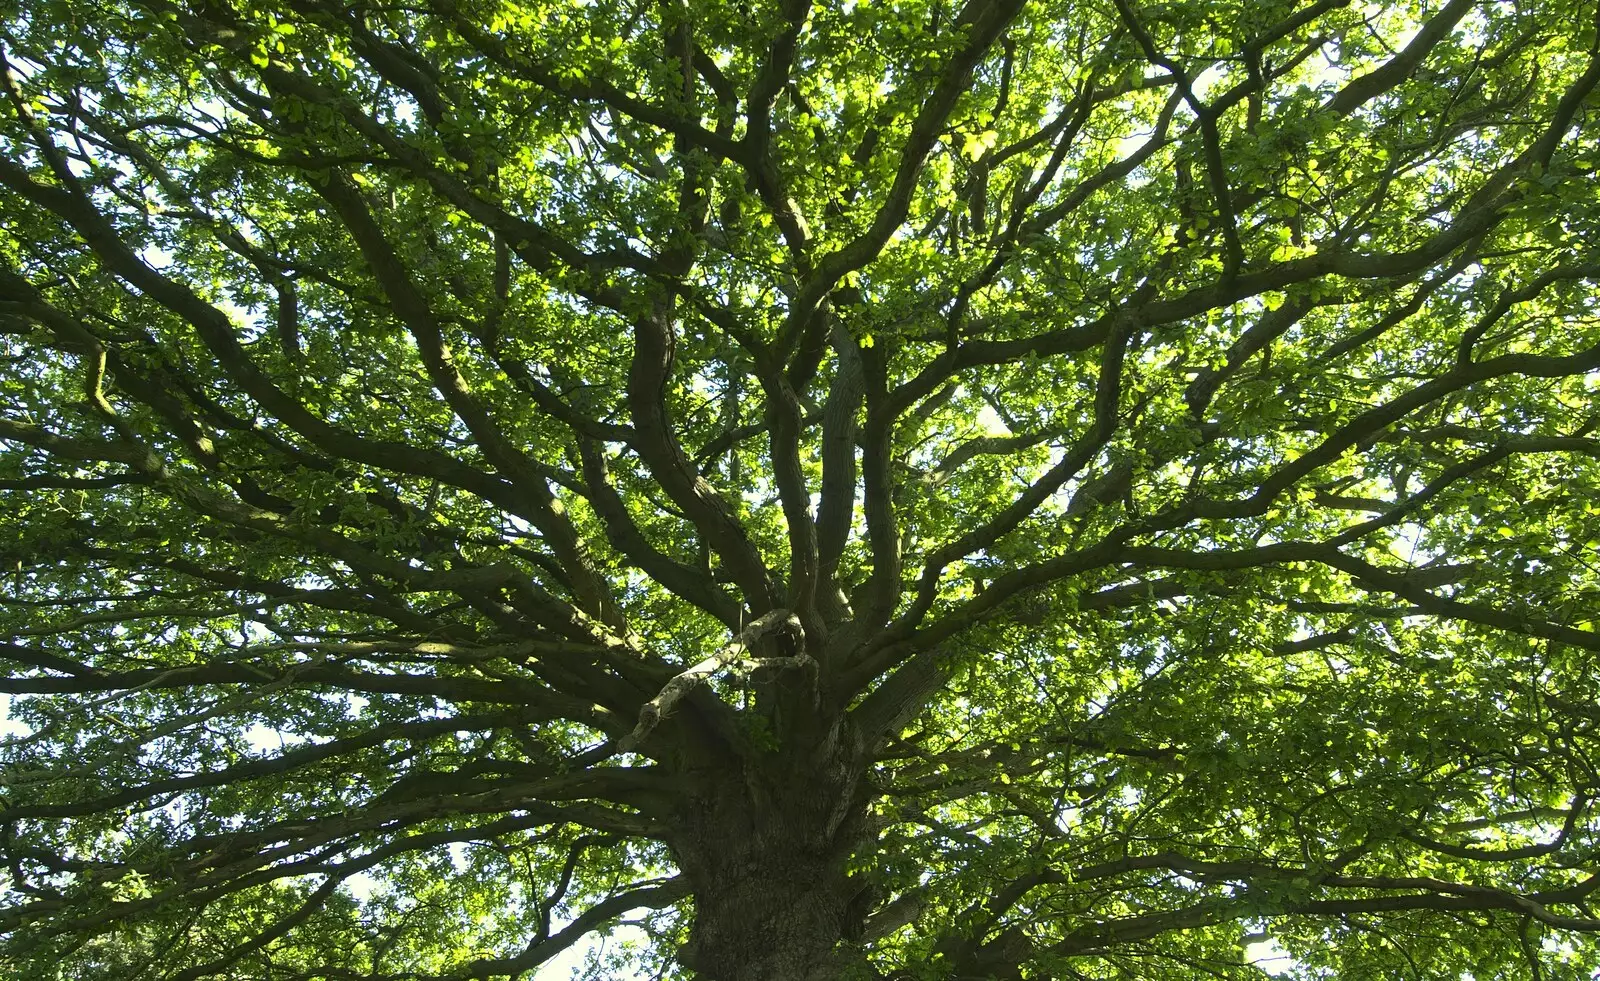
(1077, 489)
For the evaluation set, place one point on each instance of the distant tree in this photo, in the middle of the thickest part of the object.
(857, 490)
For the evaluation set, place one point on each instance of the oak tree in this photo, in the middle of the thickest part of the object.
(1013, 489)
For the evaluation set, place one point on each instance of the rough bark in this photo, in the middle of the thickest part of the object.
(766, 847)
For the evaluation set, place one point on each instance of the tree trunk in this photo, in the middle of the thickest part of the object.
(767, 853)
(767, 916)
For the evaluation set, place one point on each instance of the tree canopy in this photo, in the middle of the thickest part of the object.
(874, 489)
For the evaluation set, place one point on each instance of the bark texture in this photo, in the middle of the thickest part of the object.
(766, 849)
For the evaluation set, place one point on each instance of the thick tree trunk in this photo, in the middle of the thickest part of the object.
(764, 916)
(767, 854)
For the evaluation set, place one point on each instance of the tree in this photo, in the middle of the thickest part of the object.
(1013, 490)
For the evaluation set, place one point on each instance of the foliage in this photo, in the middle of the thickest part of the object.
(1038, 488)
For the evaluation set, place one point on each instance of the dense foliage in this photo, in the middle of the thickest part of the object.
(1031, 489)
